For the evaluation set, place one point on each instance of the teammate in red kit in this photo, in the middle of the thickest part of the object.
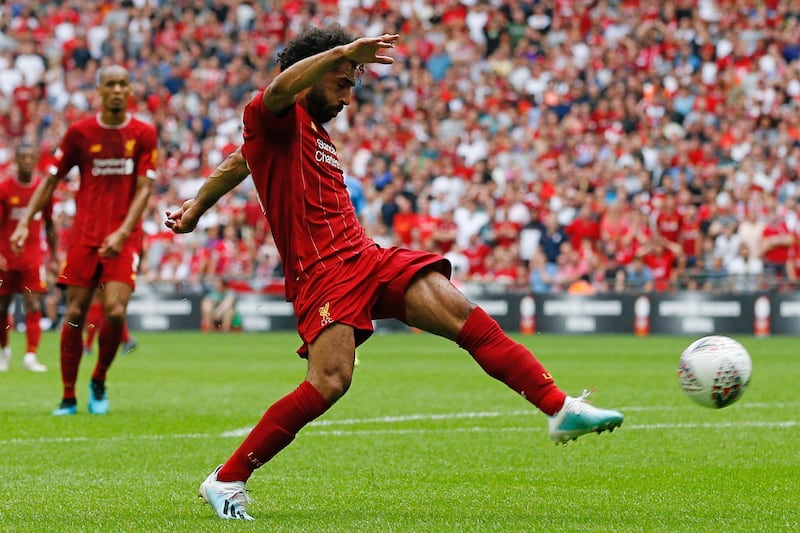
(116, 155)
(24, 272)
(338, 279)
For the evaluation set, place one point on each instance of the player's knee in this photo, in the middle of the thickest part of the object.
(31, 306)
(115, 314)
(333, 384)
(74, 313)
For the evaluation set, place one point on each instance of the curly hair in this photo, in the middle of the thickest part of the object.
(312, 42)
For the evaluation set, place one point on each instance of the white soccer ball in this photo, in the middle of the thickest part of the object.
(715, 371)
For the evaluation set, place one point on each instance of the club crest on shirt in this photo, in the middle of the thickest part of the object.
(95, 148)
(325, 313)
(129, 147)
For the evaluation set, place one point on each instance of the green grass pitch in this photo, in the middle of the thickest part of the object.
(423, 442)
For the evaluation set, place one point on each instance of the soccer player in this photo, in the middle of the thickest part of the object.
(116, 155)
(24, 272)
(338, 279)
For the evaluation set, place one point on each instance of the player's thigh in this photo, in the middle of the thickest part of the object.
(433, 304)
(331, 359)
(78, 300)
(116, 295)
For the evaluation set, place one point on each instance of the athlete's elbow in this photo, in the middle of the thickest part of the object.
(277, 98)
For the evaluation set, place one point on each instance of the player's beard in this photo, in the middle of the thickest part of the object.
(319, 108)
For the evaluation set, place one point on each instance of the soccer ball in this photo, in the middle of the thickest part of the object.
(714, 371)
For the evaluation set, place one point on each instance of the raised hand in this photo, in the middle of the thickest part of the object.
(184, 220)
(368, 49)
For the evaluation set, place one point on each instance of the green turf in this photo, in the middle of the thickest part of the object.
(422, 442)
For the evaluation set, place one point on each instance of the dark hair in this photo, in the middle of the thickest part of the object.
(24, 145)
(312, 42)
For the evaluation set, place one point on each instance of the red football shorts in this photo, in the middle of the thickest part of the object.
(29, 279)
(369, 286)
(85, 268)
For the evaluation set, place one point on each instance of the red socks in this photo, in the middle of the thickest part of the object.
(94, 321)
(71, 353)
(109, 339)
(509, 362)
(33, 329)
(72, 350)
(276, 429)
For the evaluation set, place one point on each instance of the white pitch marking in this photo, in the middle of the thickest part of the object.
(241, 432)
(531, 429)
(526, 429)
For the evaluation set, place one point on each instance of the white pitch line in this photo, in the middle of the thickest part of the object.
(313, 431)
(241, 432)
(531, 429)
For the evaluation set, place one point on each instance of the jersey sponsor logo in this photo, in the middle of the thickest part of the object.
(325, 313)
(17, 213)
(117, 166)
(328, 147)
(326, 153)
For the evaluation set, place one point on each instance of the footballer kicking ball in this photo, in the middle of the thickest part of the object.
(714, 371)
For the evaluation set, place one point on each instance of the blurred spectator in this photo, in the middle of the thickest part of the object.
(218, 307)
(776, 243)
(746, 270)
(638, 276)
(542, 273)
(714, 276)
(552, 237)
(751, 232)
(570, 267)
(690, 236)
(660, 256)
(727, 244)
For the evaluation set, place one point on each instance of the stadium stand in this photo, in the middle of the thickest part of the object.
(588, 135)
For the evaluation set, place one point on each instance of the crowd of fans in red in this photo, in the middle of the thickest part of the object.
(554, 145)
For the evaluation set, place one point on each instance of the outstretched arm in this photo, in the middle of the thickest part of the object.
(223, 179)
(283, 90)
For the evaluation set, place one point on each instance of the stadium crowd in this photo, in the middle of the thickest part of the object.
(554, 145)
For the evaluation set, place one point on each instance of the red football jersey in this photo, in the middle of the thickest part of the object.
(110, 160)
(301, 188)
(14, 199)
(669, 225)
